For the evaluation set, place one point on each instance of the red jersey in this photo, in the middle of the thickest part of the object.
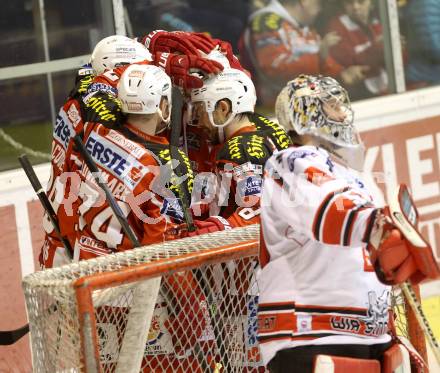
(278, 48)
(133, 170)
(238, 166)
(68, 123)
(361, 45)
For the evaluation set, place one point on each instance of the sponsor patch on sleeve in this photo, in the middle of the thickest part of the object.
(74, 115)
(297, 154)
(85, 71)
(244, 168)
(101, 87)
(249, 186)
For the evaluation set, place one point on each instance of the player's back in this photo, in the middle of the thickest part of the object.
(134, 174)
(243, 157)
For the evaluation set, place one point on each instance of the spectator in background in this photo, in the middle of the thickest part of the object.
(225, 20)
(362, 35)
(279, 45)
(423, 40)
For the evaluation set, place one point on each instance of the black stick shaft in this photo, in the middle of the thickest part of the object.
(11, 336)
(36, 185)
(109, 196)
(176, 125)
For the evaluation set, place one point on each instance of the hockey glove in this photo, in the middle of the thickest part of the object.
(177, 41)
(226, 49)
(210, 225)
(394, 258)
(179, 67)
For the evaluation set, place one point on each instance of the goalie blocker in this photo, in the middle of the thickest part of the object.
(398, 251)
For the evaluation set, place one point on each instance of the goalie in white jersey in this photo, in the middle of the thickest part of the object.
(319, 293)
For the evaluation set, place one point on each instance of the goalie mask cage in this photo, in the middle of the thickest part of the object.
(188, 305)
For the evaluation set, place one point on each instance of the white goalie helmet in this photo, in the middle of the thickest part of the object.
(305, 105)
(117, 50)
(141, 88)
(231, 84)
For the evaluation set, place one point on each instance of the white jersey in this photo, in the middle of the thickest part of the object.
(317, 285)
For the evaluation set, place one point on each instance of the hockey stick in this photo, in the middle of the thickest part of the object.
(184, 193)
(109, 196)
(144, 294)
(9, 337)
(405, 216)
(42, 196)
(185, 198)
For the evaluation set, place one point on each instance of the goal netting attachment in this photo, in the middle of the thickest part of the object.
(188, 305)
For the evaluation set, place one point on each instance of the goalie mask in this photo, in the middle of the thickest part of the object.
(320, 107)
(231, 84)
(141, 88)
(117, 50)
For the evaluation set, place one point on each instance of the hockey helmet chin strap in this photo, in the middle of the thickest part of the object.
(221, 127)
(166, 120)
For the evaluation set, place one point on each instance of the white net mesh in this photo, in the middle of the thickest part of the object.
(202, 318)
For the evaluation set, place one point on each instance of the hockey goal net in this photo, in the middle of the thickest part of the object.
(182, 306)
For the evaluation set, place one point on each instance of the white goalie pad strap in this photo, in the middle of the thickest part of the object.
(333, 364)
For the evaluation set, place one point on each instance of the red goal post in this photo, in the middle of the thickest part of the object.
(180, 306)
(187, 305)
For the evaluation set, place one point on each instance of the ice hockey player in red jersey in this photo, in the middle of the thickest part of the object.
(223, 109)
(108, 53)
(319, 293)
(94, 100)
(135, 161)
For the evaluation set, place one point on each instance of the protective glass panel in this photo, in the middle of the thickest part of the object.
(419, 24)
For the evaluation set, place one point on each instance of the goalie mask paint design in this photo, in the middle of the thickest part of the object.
(320, 107)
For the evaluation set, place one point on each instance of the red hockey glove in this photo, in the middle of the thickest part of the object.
(202, 41)
(395, 258)
(177, 42)
(226, 48)
(178, 68)
(210, 225)
(392, 260)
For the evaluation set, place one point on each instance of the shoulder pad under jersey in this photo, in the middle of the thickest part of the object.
(295, 159)
(251, 147)
(103, 108)
(82, 83)
(273, 130)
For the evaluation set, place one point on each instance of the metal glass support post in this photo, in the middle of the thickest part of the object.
(47, 58)
(389, 17)
(118, 13)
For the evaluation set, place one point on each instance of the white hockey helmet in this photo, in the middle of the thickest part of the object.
(301, 107)
(117, 50)
(232, 84)
(141, 88)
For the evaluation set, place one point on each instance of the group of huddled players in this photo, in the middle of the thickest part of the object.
(328, 252)
(121, 106)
